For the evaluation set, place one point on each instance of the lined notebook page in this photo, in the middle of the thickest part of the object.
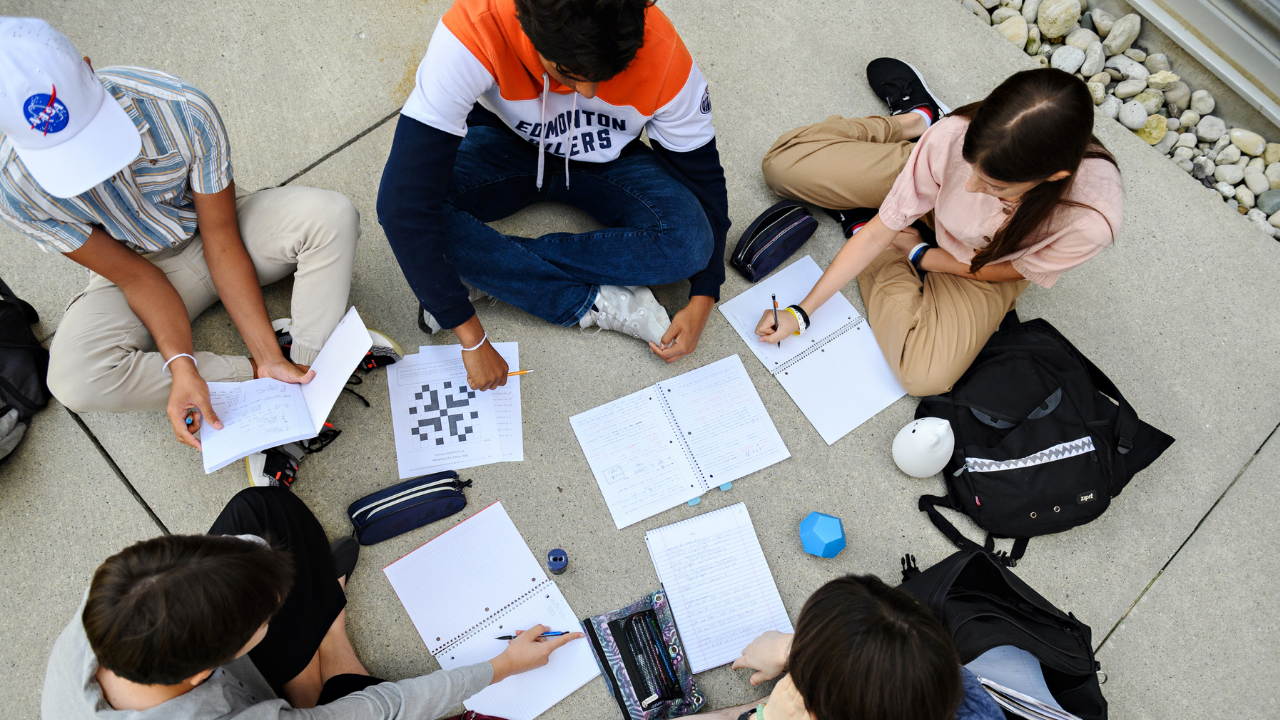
(723, 421)
(475, 582)
(716, 577)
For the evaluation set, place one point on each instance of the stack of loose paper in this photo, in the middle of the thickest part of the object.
(440, 423)
(261, 414)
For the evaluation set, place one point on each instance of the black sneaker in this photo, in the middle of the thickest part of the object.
(284, 334)
(345, 551)
(385, 351)
(278, 466)
(851, 220)
(902, 88)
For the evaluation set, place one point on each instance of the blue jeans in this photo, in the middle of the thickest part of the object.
(655, 233)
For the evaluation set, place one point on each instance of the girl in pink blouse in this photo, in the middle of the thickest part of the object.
(1019, 190)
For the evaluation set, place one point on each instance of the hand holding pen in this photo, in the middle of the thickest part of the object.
(528, 651)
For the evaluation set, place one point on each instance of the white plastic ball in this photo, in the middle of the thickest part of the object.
(923, 447)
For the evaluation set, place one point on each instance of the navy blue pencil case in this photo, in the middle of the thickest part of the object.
(407, 506)
(772, 238)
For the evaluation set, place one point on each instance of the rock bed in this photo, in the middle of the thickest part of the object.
(1142, 93)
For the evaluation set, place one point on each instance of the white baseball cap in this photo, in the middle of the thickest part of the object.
(69, 131)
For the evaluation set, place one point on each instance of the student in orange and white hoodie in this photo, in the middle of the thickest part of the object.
(525, 101)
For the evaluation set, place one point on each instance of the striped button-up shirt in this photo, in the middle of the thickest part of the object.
(148, 205)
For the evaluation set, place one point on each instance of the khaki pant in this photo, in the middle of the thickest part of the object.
(930, 331)
(103, 359)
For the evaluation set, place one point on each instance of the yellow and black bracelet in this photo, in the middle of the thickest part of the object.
(802, 318)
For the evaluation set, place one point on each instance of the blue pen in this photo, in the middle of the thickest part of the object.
(189, 418)
(556, 633)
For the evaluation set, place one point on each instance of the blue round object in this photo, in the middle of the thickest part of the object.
(822, 534)
(557, 561)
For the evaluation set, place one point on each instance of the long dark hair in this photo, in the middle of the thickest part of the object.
(1031, 126)
(866, 651)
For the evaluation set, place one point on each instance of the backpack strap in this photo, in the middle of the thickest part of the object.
(930, 504)
(1127, 422)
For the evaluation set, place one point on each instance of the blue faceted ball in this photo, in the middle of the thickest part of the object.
(822, 534)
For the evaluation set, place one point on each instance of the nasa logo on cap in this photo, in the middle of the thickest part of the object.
(46, 113)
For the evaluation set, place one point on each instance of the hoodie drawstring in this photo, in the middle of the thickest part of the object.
(573, 135)
(542, 137)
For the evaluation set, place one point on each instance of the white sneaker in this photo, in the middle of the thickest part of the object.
(632, 310)
(428, 323)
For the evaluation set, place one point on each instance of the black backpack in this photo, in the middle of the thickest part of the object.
(23, 365)
(1043, 439)
(984, 606)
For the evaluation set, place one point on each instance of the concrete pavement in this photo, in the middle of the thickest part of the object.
(1177, 313)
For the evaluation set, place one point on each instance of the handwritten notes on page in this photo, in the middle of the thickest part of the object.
(673, 441)
(264, 413)
(255, 415)
(716, 577)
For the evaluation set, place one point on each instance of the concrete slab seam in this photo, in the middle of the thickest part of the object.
(1186, 540)
(340, 148)
(119, 473)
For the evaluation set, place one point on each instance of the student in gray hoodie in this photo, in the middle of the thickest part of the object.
(247, 622)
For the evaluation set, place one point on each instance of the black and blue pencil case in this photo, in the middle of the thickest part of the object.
(772, 238)
(407, 506)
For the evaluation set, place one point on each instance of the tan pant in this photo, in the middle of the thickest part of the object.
(930, 331)
(103, 359)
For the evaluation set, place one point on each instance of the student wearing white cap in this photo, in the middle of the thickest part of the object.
(127, 172)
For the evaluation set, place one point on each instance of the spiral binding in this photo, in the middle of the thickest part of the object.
(471, 632)
(688, 451)
(818, 345)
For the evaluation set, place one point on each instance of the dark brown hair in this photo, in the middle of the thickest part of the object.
(165, 609)
(591, 40)
(1031, 126)
(866, 651)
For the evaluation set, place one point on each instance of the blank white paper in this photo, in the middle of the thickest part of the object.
(347, 345)
(838, 375)
(475, 582)
(718, 581)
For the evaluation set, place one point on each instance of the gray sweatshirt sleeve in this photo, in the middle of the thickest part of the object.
(422, 698)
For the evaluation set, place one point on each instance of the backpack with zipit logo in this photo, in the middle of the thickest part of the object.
(1043, 439)
(23, 364)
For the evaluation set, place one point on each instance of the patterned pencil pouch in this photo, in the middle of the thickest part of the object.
(643, 662)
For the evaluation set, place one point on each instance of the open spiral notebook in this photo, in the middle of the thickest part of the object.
(467, 587)
(835, 372)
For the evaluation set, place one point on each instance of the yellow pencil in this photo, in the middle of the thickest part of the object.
(519, 372)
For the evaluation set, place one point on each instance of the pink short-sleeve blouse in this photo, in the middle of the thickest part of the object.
(934, 179)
